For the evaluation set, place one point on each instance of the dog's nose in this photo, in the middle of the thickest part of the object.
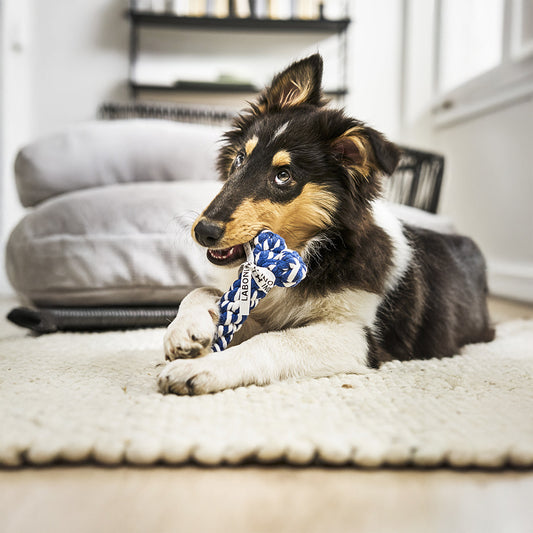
(208, 233)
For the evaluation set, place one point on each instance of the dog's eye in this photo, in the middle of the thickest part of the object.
(283, 177)
(239, 160)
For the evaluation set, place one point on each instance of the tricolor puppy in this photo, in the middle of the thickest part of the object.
(376, 289)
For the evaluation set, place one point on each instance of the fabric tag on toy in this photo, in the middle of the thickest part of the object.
(246, 289)
(262, 276)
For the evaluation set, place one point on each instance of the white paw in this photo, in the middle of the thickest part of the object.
(192, 377)
(189, 336)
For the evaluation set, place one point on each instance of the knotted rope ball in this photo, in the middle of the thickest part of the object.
(269, 263)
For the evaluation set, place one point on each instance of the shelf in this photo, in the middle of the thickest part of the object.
(140, 19)
(189, 86)
(147, 18)
(207, 87)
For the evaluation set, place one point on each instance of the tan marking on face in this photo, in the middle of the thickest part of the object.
(297, 221)
(354, 135)
(251, 144)
(281, 159)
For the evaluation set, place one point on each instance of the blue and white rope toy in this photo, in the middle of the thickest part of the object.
(269, 263)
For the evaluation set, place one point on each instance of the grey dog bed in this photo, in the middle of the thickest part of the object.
(111, 208)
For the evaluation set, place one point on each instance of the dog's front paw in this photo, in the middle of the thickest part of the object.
(187, 338)
(192, 377)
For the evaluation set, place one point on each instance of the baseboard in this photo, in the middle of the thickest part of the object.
(511, 280)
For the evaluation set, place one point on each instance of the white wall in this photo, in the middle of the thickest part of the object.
(15, 112)
(488, 183)
(79, 59)
(60, 60)
(489, 191)
(375, 61)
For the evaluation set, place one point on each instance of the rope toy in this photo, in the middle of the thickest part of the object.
(269, 263)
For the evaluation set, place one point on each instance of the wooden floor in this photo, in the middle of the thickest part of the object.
(268, 499)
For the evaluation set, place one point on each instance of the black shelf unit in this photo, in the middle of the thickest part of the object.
(219, 88)
(140, 19)
(147, 18)
(192, 86)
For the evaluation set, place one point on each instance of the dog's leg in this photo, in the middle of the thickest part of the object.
(317, 350)
(191, 333)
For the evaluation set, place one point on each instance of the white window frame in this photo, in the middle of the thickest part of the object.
(509, 82)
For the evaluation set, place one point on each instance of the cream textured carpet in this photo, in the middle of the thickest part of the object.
(78, 397)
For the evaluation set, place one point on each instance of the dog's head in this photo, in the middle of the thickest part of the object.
(293, 167)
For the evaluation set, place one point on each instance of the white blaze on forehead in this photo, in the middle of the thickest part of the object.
(251, 144)
(280, 130)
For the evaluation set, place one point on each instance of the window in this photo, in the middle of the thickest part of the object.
(470, 40)
(522, 29)
(484, 56)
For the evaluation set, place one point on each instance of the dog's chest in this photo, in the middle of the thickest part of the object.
(280, 309)
(284, 308)
(287, 308)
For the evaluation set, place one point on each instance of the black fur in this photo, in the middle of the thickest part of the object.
(440, 302)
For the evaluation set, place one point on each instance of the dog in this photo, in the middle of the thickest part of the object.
(376, 289)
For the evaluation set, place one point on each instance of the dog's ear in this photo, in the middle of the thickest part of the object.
(365, 150)
(299, 84)
(386, 153)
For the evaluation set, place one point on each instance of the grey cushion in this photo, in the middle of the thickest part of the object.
(116, 245)
(93, 154)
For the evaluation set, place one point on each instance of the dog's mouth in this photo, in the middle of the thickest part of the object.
(226, 256)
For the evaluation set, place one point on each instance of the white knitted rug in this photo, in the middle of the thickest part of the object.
(79, 397)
